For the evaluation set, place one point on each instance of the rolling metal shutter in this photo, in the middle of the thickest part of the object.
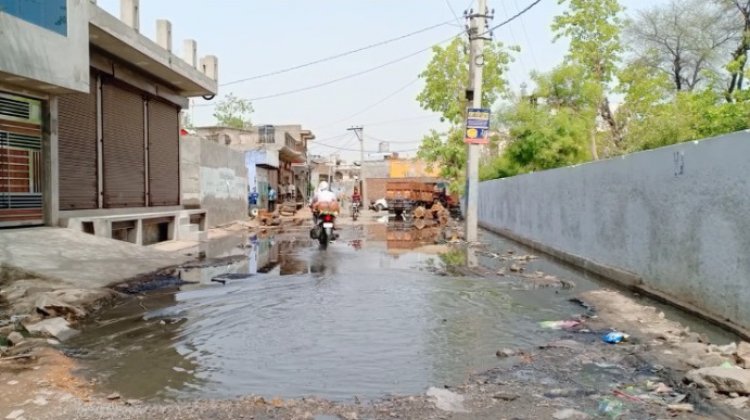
(77, 150)
(163, 154)
(123, 147)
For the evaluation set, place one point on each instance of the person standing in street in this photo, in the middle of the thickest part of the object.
(252, 198)
(272, 199)
(291, 192)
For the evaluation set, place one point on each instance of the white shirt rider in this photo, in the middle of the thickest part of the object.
(323, 194)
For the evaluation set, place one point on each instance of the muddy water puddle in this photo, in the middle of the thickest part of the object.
(368, 317)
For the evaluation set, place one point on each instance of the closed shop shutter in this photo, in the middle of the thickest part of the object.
(163, 154)
(77, 150)
(123, 147)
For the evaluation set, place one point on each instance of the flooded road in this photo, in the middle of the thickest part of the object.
(373, 315)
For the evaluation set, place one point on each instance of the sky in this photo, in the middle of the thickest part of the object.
(252, 37)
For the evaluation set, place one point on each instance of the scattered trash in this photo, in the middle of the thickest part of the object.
(55, 327)
(505, 396)
(611, 407)
(615, 337)
(727, 364)
(728, 350)
(738, 403)
(506, 353)
(15, 338)
(560, 325)
(446, 400)
(681, 408)
(662, 388)
(15, 414)
(113, 396)
(569, 413)
(679, 398)
(625, 395)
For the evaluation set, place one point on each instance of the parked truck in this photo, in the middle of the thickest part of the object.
(413, 199)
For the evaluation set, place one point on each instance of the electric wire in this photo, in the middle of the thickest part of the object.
(369, 107)
(336, 56)
(528, 40)
(388, 63)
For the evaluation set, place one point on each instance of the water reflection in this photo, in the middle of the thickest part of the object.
(407, 236)
(132, 347)
(294, 321)
(242, 256)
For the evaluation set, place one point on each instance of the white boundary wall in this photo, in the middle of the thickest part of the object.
(673, 221)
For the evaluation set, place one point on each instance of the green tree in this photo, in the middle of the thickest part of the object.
(233, 112)
(446, 77)
(550, 127)
(685, 39)
(593, 28)
(739, 10)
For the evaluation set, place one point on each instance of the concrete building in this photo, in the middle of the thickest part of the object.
(275, 156)
(213, 178)
(89, 120)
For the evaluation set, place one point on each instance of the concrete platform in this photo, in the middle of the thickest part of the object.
(78, 259)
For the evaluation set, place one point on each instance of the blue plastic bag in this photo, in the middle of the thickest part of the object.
(614, 337)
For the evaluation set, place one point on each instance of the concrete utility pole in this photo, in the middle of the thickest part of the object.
(358, 132)
(478, 33)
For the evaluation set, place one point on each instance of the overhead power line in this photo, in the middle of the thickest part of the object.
(344, 149)
(342, 78)
(371, 106)
(423, 117)
(371, 69)
(453, 12)
(514, 17)
(394, 141)
(336, 56)
(528, 40)
(348, 76)
(318, 141)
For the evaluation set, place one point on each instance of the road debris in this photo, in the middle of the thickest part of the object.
(560, 325)
(447, 400)
(615, 337)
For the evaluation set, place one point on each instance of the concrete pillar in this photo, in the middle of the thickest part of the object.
(138, 240)
(130, 13)
(103, 228)
(164, 34)
(190, 52)
(210, 66)
(50, 179)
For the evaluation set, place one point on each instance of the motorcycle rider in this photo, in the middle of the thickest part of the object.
(324, 200)
(356, 199)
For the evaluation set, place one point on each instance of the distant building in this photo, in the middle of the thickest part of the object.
(276, 155)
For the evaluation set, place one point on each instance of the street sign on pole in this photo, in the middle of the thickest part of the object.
(477, 126)
(478, 118)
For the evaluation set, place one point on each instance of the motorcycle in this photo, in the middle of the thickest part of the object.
(355, 210)
(323, 229)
